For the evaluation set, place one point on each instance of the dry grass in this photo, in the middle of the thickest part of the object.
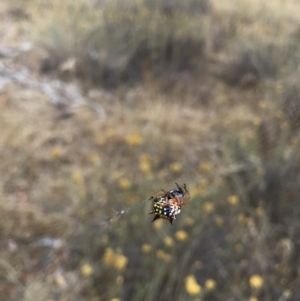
(116, 42)
(73, 194)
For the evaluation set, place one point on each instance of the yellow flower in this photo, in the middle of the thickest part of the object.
(176, 167)
(253, 299)
(279, 114)
(242, 218)
(124, 183)
(284, 125)
(158, 224)
(208, 207)
(256, 121)
(94, 158)
(163, 255)
(120, 280)
(263, 104)
(77, 177)
(198, 264)
(104, 239)
(109, 256)
(283, 281)
(191, 285)
(193, 191)
(219, 221)
(279, 89)
(287, 294)
(239, 247)
(210, 284)
(100, 140)
(204, 183)
(134, 139)
(86, 270)
(115, 175)
(115, 299)
(60, 280)
(120, 261)
(260, 211)
(146, 248)
(181, 235)
(205, 167)
(131, 199)
(250, 221)
(168, 241)
(145, 164)
(110, 132)
(256, 281)
(56, 152)
(233, 200)
(202, 186)
(189, 221)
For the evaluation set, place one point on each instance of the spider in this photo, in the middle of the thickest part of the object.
(167, 204)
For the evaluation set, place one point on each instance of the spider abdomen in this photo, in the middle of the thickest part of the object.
(161, 209)
(167, 204)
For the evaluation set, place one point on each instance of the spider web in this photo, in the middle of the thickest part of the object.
(291, 111)
(113, 214)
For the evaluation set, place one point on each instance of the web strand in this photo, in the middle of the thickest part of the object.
(292, 115)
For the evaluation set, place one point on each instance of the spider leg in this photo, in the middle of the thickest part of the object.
(155, 218)
(167, 201)
(151, 212)
(185, 200)
(178, 187)
(185, 189)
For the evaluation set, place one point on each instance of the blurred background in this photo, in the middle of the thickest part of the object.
(104, 103)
